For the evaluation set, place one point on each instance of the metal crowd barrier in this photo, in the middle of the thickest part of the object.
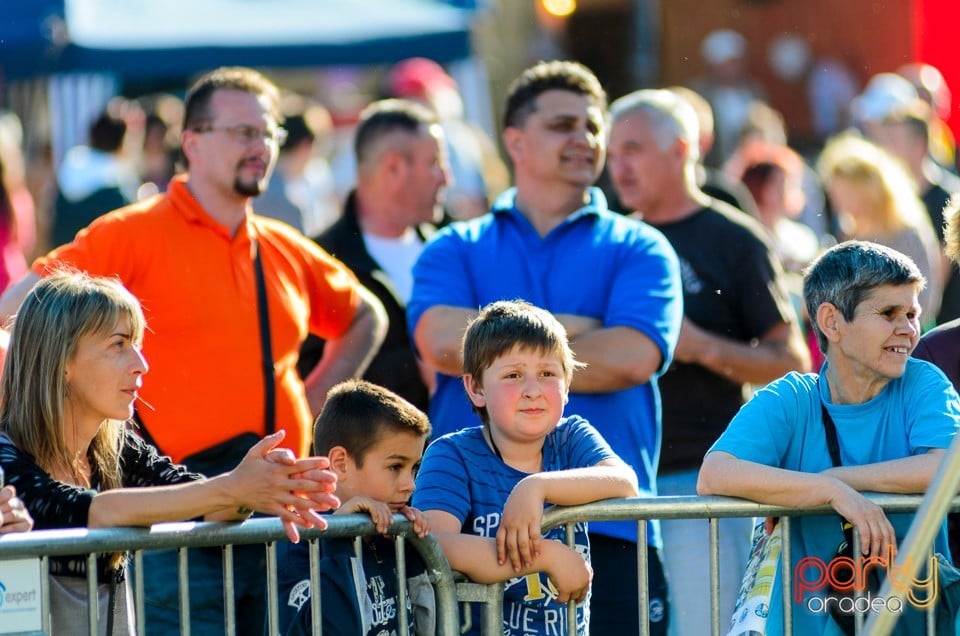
(47, 543)
(714, 508)
(449, 590)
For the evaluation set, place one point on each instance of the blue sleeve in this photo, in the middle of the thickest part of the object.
(646, 293)
(441, 480)
(582, 444)
(763, 429)
(340, 615)
(440, 277)
(933, 410)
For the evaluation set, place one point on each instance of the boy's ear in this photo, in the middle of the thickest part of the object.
(339, 461)
(474, 390)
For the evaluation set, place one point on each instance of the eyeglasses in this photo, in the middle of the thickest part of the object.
(247, 134)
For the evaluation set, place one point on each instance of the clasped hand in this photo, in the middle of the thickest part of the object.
(273, 481)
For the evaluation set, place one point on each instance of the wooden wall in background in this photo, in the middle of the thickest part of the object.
(870, 36)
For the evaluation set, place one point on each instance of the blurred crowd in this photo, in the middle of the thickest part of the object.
(883, 171)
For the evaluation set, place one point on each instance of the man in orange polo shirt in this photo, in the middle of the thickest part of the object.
(189, 256)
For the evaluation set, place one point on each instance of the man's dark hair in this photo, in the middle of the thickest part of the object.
(196, 105)
(298, 130)
(385, 117)
(358, 414)
(545, 76)
(107, 132)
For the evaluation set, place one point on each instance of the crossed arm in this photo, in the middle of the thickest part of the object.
(617, 357)
(780, 350)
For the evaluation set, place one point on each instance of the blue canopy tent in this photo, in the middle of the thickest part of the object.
(175, 38)
(83, 51)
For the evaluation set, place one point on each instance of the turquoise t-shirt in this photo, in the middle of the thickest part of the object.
(782, 426)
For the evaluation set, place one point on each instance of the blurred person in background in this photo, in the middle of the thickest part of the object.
(766, 127)
(160, 148)
(387, 219)
(95, 178)
(712, 181)
(932, 88)
(301, 192)
(728, 88)
(477, 172)
(772, 173)
(941, 346)
(738, 327)
(906, 133)
(875, 200)
(13, 263)
(17, 220)
(829, 84)
(14, 182)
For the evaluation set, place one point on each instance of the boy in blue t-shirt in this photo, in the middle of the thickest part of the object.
(484, 489)
(375, 440)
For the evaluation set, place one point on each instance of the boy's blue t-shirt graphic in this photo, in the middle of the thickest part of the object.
(461, 475)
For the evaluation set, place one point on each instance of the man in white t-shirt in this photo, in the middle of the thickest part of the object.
(401, 175)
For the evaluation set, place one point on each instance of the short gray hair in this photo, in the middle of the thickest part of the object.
(670, 116)
(845, 275)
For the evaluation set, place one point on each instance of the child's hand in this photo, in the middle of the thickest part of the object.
(421, 525)
(519, 536)
(569, 572)
(379, 511)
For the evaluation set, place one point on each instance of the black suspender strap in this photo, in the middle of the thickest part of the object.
(269, 381)
(831, 430)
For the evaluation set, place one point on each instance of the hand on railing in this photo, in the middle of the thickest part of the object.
(274, 482)
(519, 538)
(13, 514)
(568, 571)
(877, 535)
(382, 514)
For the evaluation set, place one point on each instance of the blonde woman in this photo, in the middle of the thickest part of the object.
(875, 200)
(70, 379)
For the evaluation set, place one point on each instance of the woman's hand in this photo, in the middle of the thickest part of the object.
(13, 514)
(272, 481)
(877, 536)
